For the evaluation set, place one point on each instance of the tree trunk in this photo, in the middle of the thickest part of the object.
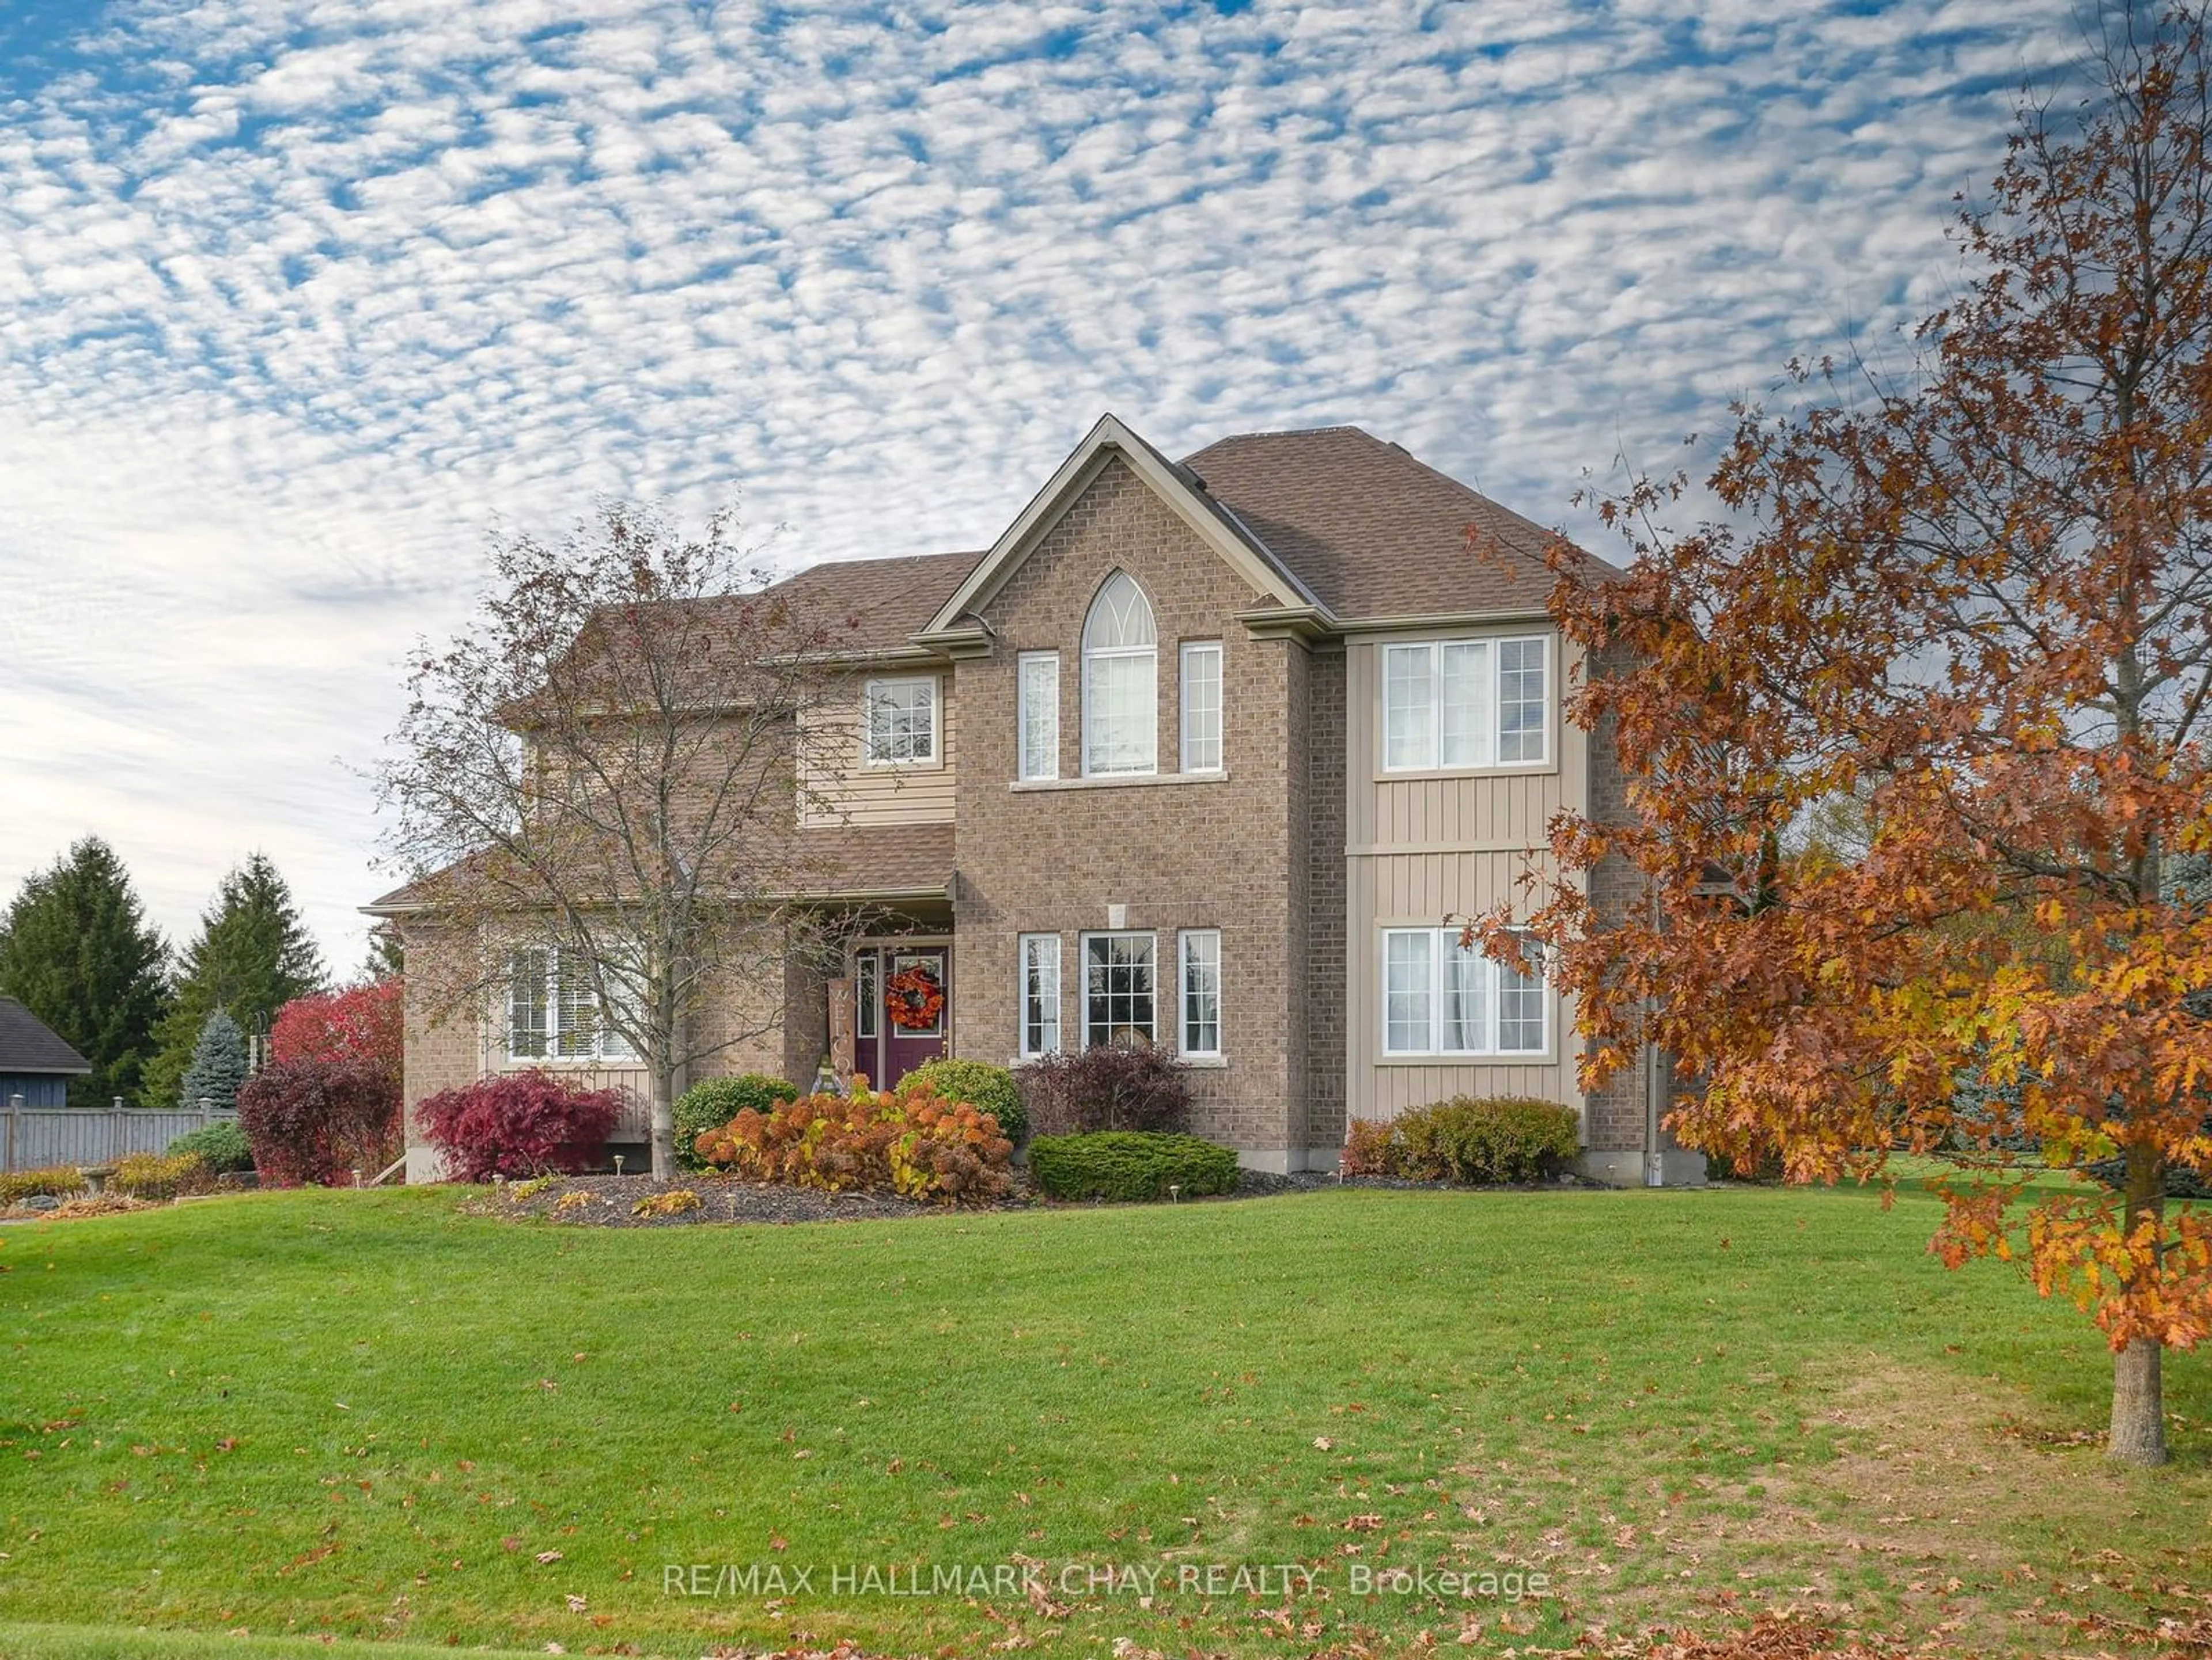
(664, 1126)
(2138, 1432)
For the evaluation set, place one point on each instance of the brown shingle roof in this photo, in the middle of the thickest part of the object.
(850, 861)
(28, 1044)
(862, 859)
(876, 605)
(1372, 531)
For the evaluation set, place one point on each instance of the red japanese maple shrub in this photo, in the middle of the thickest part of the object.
(519, 1124)
(317, 1121)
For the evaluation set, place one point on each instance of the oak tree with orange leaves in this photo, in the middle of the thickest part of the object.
(1975, 599)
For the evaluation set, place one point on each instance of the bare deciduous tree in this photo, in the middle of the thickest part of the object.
(595, 790)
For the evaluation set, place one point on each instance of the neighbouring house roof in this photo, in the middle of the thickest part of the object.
(28, 1044)
(1373, 532)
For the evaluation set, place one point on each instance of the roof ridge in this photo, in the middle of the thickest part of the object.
(1293, 432)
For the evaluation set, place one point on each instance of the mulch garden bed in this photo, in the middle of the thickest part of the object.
(612, 1201)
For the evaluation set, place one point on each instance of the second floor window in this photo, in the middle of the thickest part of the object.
(1465, 703)
(902, 721)
(1201, 706)
(1121, 681)
(1038, 695)
(553, 1010)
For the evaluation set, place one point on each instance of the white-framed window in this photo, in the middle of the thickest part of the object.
(867, 994)
(1121, 681)
(1037, 693)
(1201, 706)
(553, 1011)
(1119, 1000)
(1440, 998)
(1465, 703)
(1040, 959)
(1200, 982)
(902, 722)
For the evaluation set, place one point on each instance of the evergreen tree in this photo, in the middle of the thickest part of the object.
(387, 954)
(77, 949)
(253, 955)
(218, 1065)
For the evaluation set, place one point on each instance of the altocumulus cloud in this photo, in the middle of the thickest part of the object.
(295, 299)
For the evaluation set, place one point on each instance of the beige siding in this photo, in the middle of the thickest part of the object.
(1422, 849)
(843, 789)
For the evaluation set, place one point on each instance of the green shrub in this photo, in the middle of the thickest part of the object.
(1483, 1139)
(713, 1102)
(1130, 1164)
(978, 1084)
(55, 1181)
(222, 1144)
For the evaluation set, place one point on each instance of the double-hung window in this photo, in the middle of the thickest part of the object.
(1040, 957)
(1201, 706)
(1200, 979)
(553, 1010)
(1441, 998)
(1121, 681)
(1451, 704)
(1118, 989)
(1037, 675)
(902, 721)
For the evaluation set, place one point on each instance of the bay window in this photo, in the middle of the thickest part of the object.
(1440, 998)
(1465, 703)
(554, 1012)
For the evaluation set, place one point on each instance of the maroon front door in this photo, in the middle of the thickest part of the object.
(910, 1026)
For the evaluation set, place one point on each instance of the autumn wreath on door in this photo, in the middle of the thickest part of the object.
(914, 999)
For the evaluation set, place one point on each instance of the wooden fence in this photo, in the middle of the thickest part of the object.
(39, 1138)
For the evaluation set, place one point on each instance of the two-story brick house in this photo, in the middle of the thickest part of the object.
(1204, 753)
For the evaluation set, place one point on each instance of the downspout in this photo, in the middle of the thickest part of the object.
(1654, 1163)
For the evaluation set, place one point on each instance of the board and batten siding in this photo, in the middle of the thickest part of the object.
(1422, 848)
(844, 788)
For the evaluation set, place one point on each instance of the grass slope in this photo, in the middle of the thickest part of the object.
(363, 1414)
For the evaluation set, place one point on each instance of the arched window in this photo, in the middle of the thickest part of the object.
(1121, 681)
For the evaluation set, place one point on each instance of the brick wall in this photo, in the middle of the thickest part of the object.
(1222, 853)
(1325, 901)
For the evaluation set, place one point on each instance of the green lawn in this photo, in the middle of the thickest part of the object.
(369, 1416)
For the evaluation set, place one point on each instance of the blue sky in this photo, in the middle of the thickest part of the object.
(298, 298)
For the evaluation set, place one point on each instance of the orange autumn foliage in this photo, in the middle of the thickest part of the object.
(1977, 602)
(910, 1140)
